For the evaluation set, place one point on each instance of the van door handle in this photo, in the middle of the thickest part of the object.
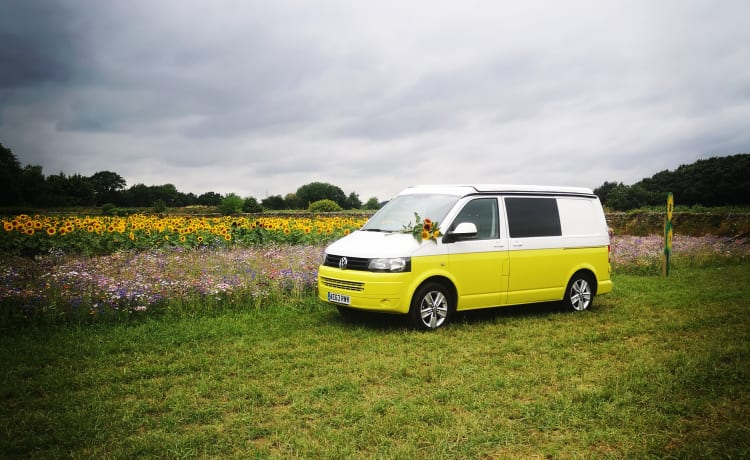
(517, 245)
(499, 246)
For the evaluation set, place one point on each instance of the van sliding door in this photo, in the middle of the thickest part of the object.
(537, 257)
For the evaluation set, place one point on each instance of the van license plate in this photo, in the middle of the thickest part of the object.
(339, 298)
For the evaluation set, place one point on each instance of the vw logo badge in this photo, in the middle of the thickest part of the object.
(342, 263)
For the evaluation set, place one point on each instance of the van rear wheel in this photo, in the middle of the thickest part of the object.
(431, 306)
(579, 295)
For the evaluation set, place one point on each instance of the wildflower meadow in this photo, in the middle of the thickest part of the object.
(215, 346)
(74, 269)
(92, 268)
(643, 254)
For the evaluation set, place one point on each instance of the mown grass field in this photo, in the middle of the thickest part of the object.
(658, 369)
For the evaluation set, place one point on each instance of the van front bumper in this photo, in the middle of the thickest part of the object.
(374, 291)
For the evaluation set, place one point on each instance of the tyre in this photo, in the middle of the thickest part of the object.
(579, 295)
(431, 307)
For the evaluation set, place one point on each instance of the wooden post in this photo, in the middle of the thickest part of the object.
(667, 235)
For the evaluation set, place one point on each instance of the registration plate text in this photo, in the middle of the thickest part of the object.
(339, 298)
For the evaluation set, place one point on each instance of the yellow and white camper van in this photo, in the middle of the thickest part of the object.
(435, 250)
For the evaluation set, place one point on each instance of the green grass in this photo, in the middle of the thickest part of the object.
(659, 368)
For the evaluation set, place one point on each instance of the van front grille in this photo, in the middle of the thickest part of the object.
(352, 263)
(342, 284)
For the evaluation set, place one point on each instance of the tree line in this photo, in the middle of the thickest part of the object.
(29, 186)
(716, 181)
(711, 182)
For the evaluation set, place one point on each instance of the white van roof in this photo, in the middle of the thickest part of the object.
(465, 189)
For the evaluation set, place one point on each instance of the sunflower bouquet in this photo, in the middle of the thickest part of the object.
(423, 229)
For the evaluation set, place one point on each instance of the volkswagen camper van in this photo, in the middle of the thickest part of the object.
(435, 250)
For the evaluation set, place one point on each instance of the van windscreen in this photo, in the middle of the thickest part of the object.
(399, 212)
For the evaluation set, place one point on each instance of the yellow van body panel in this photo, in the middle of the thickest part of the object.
(365, 290)
(541, 275)
(481, 280)
(379, 291)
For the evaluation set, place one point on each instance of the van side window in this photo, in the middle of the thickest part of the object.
(482, 212)
(529, 217)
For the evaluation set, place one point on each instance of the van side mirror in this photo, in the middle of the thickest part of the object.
(463, 231)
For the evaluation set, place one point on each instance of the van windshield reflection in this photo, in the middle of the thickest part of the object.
(399, 212)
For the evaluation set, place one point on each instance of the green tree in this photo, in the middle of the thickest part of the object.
(275, 202)
(139, 195)
(160, 206)
(168, 193)
(189, 199)
(316, 191)
(10, 178)
(324, 206)
(372, 204)
(715, 181)
(56, 191)
(616, 196)
(231, 204)
(251, 205)
(291, 201)
(353, 202)
(33, 185)
(79, 190)
(106, 185)
(605, 190)
(209, 199)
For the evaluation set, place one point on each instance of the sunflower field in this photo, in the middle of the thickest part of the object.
(39, 234)
(75, 269)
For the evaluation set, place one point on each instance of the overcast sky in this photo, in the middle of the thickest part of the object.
(260, 97)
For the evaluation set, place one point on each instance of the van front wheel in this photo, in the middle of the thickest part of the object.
(430, 307)
(579, 294)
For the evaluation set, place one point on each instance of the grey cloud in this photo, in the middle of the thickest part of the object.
(265, 94)
(41, 44)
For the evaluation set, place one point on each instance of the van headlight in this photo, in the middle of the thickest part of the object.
(393, 264)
